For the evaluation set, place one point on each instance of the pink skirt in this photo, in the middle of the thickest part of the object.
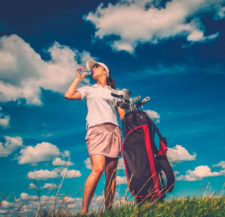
(104, 139)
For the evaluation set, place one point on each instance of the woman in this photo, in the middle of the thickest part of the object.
(103, 133)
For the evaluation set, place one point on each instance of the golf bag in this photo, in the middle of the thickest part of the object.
(148, 171)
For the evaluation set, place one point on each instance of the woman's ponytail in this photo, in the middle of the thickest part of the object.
(111, 82)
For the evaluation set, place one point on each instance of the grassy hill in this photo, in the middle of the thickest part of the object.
(204, 206)
(209, 206)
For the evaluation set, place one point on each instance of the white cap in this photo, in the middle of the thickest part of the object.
(90, 63)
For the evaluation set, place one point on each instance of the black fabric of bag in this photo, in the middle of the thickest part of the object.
(134, 119)
(145, 164)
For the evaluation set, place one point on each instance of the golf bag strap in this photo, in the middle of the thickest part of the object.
(163, 161)
(167, 169)
(163, 143)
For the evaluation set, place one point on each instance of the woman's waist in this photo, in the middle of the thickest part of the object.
(104, 124)
(96, 120)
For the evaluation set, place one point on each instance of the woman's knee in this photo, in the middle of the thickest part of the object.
(98, 170)
(98, 164)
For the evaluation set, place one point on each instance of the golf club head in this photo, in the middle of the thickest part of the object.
(146, 99)
(140, 103)
(137, 98)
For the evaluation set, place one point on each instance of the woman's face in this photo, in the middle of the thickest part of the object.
(97, 71)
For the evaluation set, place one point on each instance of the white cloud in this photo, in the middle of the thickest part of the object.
(66, 154)
(49, 186)
(221, 13)
(42, 174)
(220, 164)
(4, 121)
(179, 153)
(5, 204)
(121, 164)
(32, 186)
(56, 173)
(10, 145)
(70, 173)
(222, 172)
(46, 199)
(198, 174)
(41, 152)
(97, 203)
(25, 196)
(23, 72)
(88, 163)
(133, 23)
(28, 204)
(153, 115)
(121, 180)
(59, 162)
(196, 35)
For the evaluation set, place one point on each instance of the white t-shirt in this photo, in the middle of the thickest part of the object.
(100, 103)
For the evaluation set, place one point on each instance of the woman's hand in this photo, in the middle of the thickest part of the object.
(121, 112)
(79, 74)
(71, 92)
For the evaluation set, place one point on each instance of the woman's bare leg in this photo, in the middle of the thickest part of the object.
(98, 165)
(110, 185)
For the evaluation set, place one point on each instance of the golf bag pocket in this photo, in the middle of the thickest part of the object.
(140, 164)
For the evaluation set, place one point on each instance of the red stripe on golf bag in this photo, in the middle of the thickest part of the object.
(151, 160)
(162, 149)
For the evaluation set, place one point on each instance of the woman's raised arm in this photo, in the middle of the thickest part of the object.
(71, 92)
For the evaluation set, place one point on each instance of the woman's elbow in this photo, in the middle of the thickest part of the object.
(67, 96)
(73, 96)
(122, 116)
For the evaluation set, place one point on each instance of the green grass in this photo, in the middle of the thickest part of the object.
(208, 206)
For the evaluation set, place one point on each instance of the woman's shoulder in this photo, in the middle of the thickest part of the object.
(86, 87)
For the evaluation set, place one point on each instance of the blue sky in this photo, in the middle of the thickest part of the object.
(172, 51)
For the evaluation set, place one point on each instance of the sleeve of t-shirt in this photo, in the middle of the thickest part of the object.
(83, 91)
